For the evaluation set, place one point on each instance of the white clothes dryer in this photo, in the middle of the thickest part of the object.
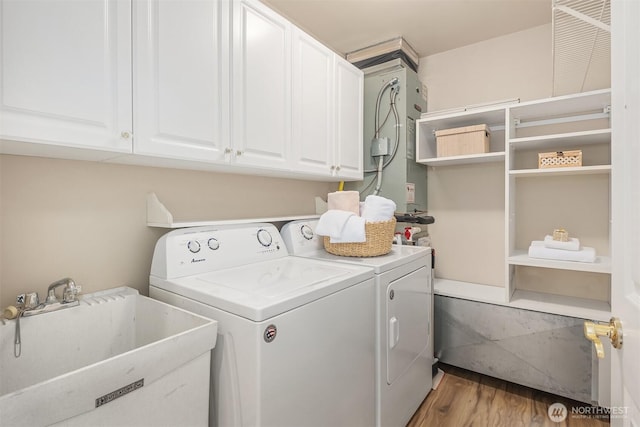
(404, 319)
(295, 336)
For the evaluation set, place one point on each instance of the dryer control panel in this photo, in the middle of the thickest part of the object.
(300, 237)
(196, 250)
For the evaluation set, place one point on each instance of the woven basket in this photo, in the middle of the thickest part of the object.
(379, 240)
(560, 159)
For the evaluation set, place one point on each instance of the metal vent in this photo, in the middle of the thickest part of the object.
(581, 43)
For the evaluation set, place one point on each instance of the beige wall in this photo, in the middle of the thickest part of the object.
(514, 66)
(518, 65)
(87, 220)
(468, 201)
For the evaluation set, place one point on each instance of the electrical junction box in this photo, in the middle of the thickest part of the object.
(404, 181)
(380, 146)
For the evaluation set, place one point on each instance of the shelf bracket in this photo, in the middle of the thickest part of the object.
(157, 213)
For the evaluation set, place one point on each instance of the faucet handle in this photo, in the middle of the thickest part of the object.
(32, 300)
(71, 293)
(28, 301)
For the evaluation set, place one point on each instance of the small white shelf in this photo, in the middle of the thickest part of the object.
(184, 224)
(582, 308)
(464, 160)
(564, 105)
(159, 216)
(565, 140)
(491, 115)
(470, 291)
(601, 265)
(579, 170)
(527, 300)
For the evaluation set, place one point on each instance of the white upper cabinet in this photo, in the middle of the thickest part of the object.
(261, 78)
(66, 76)
(327, 111)
(313, 105)
(349, 121)
(180, 61)
(203, 84)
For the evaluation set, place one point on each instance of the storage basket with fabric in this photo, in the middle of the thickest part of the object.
(560, 159)
(379, 238)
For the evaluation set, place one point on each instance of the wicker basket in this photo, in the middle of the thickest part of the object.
(560, 159)
(379, 240)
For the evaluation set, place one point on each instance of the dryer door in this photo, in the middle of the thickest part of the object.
(408, 306)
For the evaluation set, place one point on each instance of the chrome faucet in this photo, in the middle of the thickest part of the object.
(69, 292)
(30, 305)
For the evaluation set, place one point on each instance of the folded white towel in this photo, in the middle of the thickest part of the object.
(343, 226)
(538, 250)
(344, 201)
(353, 231)
(332, 222)
(378, 208)
(572, 245)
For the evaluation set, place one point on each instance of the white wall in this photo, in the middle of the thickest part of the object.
(87, 220)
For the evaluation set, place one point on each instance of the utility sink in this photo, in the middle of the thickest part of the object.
(118, 358)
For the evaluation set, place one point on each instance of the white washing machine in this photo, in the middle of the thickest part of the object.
(295, 337)
(404, 319)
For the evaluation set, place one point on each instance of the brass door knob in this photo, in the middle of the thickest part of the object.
(594, 330)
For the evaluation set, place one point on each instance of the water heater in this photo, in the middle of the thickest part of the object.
(391, 135)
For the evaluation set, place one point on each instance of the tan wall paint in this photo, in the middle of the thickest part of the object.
(513, 66)
(87, 220)
(518, 65)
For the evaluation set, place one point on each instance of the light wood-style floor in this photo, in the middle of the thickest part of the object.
(465, 398)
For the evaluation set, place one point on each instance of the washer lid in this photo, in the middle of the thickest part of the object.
(262, 290)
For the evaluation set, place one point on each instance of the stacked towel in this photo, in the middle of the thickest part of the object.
(378, 208)
(341, 227)
(344, 201)
(572, 245)
(539, 250)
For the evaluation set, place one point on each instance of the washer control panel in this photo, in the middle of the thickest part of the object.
(202, 249)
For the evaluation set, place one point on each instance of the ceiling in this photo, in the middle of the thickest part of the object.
(429, 26)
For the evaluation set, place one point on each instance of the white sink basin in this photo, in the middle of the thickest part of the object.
(118, 358)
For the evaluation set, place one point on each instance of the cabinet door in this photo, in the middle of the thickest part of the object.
(348, 116)
(313, 106)
(261, 77)
(179, 65)
(66, 73)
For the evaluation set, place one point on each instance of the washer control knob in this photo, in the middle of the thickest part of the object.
(306, 231)
(213, 243)
(264, 237)
(193, 246)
